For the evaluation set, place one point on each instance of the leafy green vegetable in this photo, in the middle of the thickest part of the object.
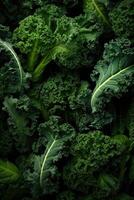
(98, 7)
(112, 73)
(44, 166)
(54, 36)
(122, 19)
(45, 177)
(90, 153)
(9, 48)
(11, 73)
(66, 100)
(19, 120)
(9, 173)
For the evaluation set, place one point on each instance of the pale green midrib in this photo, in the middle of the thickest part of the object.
(10, 170)
(41, 67)
(101, 14)
(99, 88)
(43, 164)
(15, 56)
(33, 56)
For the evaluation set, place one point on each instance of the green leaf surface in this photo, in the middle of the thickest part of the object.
(18, 119)
(9, 48)
(111, 79)
(8, 172)
(98, 7)
(48, 58)
(51, 155)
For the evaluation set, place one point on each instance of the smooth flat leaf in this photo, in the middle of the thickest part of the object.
(8, 172)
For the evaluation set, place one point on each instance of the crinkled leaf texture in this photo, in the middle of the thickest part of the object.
(113, 81)
(8, 172)
(122, 19)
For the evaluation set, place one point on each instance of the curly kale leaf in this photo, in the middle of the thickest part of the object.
(47, 36)
(19, 120)
(11, 73)
(17, 125)
(45, 168)
(65, 91)
(91, 153)
(9, 48)
(56, 127)
(54, 93)
(53, 126)
(44, 176)
(66, 96)
(98, 8)
(116, 72)
(122, 19)
(22, 123)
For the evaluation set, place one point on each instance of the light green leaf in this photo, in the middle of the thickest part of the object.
(51, 55)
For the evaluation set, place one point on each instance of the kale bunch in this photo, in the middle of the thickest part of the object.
(51, 35)
(66, 100)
